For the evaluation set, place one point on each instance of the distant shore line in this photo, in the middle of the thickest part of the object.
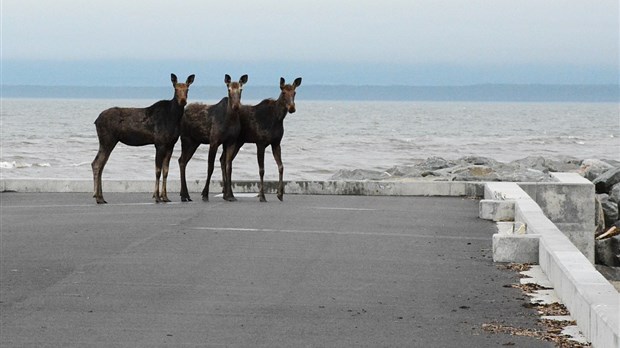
(473, 93)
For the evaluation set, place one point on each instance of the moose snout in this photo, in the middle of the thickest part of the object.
(183, 101)
(291, 108)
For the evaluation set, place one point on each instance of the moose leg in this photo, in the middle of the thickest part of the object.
(228, 152)
(277, 155)
(164, 191)
(235, 150)
(260, 155)
(223, 167)
(187, 151)
(98, 163)
(211, 164)
(159, 159)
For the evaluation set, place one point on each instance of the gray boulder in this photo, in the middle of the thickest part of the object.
(604, 182)
(546, 165)
(434, 163)
(473, 173)
(599, 216)
(358, 174)
(479, 161)
(593, 168)
(610, 209)
(614, 194)
(607, 251)
(405, 172)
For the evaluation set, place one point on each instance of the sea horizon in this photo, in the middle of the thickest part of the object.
(605, 93)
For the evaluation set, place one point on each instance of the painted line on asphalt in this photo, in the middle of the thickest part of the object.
(85, 205)
(240, 195)
(337, 208)
(349, 233)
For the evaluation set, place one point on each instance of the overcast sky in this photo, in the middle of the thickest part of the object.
(429, 42)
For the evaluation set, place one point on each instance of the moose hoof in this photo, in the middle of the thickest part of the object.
(205, 198)
(185, 199)
(101, 201)
(262, 198)
(281, 197)
(231, 199)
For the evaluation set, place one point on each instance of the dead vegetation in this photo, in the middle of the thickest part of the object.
(550, 330)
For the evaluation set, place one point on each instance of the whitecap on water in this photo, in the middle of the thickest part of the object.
(7, 165)
(17, 165)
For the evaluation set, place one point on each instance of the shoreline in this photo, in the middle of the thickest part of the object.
(433, 168)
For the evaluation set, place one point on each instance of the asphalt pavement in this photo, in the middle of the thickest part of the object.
(312, 271)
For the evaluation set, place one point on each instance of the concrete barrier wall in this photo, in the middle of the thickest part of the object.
(365, 188)
(569, 204)
(591, 299)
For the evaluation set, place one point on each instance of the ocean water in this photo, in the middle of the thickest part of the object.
(56, 138)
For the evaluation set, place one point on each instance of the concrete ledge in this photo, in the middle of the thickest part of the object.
(569, 204)
(365, 188)
(515, 248)
(497, 210)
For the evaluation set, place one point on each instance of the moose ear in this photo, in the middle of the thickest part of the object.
(173, 78)
(227, 79)
(244, 79)
(282, 82)
(190, 80)
(297, 82)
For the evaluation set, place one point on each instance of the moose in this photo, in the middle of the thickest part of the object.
(158, 124)
(215, 125)
(262, 124)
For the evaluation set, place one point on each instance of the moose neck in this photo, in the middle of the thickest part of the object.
(281, 109)
(175, 107)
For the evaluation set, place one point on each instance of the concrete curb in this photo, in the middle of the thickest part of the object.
(591, 299)
(364, 188)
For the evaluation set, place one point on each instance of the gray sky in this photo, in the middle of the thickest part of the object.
(382, 42)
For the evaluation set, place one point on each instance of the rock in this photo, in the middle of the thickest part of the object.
(604, 182)
(614, 194)
(599, 216)
(614, 163)
(607, 251)
(479, 160)
(546, 165)
(474, 173)
(478, 168)
(425, 168)
(593, 168)
(474, 168)
(405, 172)
(610, 209)
(521, 174)
(434, 163)
(358, 174)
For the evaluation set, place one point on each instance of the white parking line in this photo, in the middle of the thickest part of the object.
(353, 233)
(83, 205)
(337, 208)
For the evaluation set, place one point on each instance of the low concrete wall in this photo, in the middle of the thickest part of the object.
(591, 299)
(365, 188)
(569, 204)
